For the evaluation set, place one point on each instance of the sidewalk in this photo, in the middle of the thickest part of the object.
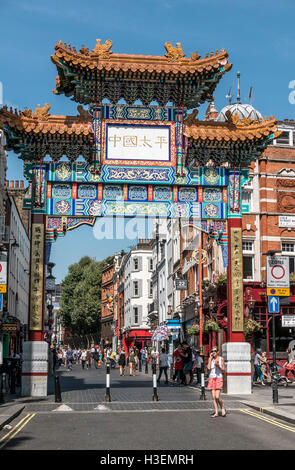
(83, 386)
(261, 399)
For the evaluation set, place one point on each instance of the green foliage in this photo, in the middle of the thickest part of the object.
(80, 303)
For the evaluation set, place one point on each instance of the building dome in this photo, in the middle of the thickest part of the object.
(243, 110)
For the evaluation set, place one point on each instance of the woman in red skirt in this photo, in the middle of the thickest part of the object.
(216, 370)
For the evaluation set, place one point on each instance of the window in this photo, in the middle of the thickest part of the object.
(135, 313)
(135, 264)
(284, 138)
(288, 249)
(150, 289)
(151, 264)
(135, 288)
(247, 200)
(248, 259)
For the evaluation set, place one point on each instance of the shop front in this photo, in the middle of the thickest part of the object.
(138, 338)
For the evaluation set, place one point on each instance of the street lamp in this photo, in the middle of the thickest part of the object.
(251, 304)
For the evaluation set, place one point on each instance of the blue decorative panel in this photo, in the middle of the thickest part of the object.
(62, 190)
(113, 192)
(137, 193)
(137, 175)
(63, 207)
(187, 194)
(87, 191)
(211, 210)
(212, 195)
(162, 193)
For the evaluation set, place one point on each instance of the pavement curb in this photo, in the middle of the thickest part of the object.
(9, 413)
(266, 410)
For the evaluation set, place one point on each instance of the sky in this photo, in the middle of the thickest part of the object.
(259, 36)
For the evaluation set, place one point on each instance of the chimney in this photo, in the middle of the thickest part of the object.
(211, 112)
(22, 184)
(16, 185)
(11, 184)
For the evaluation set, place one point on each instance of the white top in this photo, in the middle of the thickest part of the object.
(215, 372)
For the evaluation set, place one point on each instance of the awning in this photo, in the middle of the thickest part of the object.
(138, 334)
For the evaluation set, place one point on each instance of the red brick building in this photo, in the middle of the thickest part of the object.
(107, 302)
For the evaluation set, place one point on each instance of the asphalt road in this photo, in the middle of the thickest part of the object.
(179, 421)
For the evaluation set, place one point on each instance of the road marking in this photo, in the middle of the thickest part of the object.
(26, 419)
(269, 420)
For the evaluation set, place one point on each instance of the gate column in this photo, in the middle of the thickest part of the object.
(35, 351)
(236, 352)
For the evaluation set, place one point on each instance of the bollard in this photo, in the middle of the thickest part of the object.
(146, 368)
(171, 372)
(140, 366)
(108, 383)
(3, 391)
(155, 395)
(57, 390)
(203, 395)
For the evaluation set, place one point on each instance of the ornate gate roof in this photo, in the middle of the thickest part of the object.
(89, 76)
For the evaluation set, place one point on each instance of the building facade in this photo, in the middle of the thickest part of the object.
(136, 278)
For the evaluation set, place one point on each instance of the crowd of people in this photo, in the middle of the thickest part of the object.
(263, 368)
(185, 360)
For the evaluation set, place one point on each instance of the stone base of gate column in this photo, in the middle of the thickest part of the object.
(237, 358)
(35, 369)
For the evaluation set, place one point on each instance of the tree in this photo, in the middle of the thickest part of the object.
(80, 303)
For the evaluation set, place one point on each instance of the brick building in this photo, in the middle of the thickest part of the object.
(107, 302)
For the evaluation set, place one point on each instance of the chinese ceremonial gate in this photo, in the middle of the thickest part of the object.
(139, 160)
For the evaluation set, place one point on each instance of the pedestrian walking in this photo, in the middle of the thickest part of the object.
(263, 367)
(83, 358)
(154, 356)
(144, 356)
(187, 362)
(88, 359)
(163, 365)
(59, 357)
(69, 355)
(198, 363)
(132, 363)
(257, 368)
(289, 365)
(178, 363)
(122, 362)
(216, 370)
(95, 356)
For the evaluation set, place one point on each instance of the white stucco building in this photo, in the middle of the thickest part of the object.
(137, 273)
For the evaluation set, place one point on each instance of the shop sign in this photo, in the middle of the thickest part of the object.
(288, 321)
(3, 288)
(286, 221)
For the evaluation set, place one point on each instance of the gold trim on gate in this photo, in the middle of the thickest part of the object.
(37, 270)
(236, 260)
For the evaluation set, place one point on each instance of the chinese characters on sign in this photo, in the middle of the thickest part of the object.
(37, 267)
(138, 142)
(237, 279)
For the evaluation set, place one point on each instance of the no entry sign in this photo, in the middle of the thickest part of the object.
(278, 271)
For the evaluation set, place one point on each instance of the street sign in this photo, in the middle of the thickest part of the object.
(278, 271)
(181, 284)
(3, 288)
(3, 272)
(278, 291)
(1, 302)
(288, 321)
(273, 304)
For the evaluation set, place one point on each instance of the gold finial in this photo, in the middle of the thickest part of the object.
(174, 53)
(103, 51)
(42, 114)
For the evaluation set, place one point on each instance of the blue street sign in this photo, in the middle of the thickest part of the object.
(273, 304)
(1, 302)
